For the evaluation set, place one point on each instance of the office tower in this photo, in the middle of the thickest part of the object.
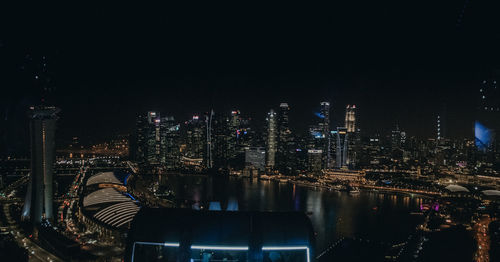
(342, 147)
(233, 133)
(195, 138)
(354, 135)
(38, 204)
(325, 113)
(220, 139)
(324, 126)
(283, 156)
(315, 157)
(170, 143)
(153, 138)
(271, 139)
(148, 136)
(255, 157)
(396, 141)
(350, 118)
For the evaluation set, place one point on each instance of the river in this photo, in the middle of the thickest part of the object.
(370, 215)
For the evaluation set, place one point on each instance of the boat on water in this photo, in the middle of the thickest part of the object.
(264, 177)
(354, 191)
(283, 180)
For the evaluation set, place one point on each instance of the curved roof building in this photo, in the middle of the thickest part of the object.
(457, 189)
(491, 193)
(111, 206)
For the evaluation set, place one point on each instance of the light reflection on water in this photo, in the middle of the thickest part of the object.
(370, 214)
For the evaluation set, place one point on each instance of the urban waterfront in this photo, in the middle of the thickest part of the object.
(287, 133)
(371, 215)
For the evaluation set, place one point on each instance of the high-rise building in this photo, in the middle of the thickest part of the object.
(195, 138)
(156, 141)
(271, 139)
(324, 126)
(314, 157)
(255, 157)
(325, 113)
(38, 204)
(342, 148)
(283, 156)
(233, 132)
(350, 118)
(354, 135)
(148, 136)
(170, 143)
(219, 140)
(397, 138)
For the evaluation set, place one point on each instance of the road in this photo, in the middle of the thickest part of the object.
(483, 239)
(36, 252)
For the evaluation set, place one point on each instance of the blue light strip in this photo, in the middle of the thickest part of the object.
(126, 179)
(278, 248)
(166, 244)
(130, 196)
(241, 248)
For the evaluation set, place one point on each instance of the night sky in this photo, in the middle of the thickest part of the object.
(400, 62)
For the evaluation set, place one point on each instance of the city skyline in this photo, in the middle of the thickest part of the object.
(275, 132)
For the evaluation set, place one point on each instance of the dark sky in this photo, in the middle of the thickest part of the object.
(399, 61)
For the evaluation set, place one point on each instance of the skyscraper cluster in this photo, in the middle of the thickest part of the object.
(227, 141)
(157, 141)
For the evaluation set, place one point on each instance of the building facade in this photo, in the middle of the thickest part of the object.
(39, 203)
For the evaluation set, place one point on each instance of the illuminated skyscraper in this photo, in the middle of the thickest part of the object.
(148, 137)
(314, 157)
(271, 139)
(233, 132)
(325, 113)
(220, 140)
(38, 204)
(342, 147)
(153, 152)
(195, 138)
(354, 135)
(170, 143)
(350, 118)
(283, 157)
(396, 138)
(325, 130)
(255, 157)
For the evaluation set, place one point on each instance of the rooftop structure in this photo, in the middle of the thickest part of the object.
(187, 235)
